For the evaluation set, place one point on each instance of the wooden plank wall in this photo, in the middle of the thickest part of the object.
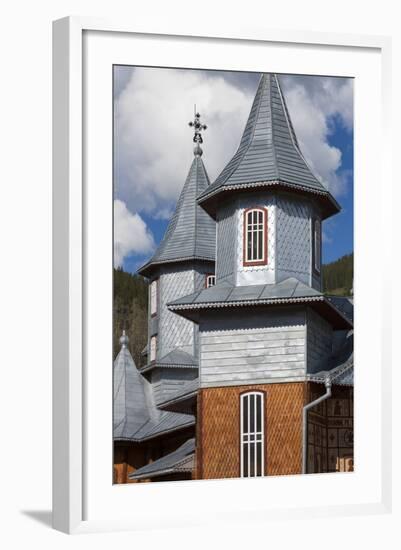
(252, 349)
(218, 430)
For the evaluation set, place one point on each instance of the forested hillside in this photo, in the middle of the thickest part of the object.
(338, 276)
(130, 310)
(130, 305)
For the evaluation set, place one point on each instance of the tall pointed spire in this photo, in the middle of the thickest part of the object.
(269, 153)
(191, 233)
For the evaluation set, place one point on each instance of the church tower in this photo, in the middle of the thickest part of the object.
(269, 340)
(183, 263)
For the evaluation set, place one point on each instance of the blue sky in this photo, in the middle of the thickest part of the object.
(153, 145)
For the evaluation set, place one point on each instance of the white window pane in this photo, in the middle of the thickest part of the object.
(255, 236)
(252, 434)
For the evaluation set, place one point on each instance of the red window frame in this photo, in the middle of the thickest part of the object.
(244, 247)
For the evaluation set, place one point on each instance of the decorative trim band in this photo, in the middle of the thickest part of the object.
(271, 183)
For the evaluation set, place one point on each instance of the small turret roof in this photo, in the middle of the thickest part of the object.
(136, 417)
(191, 234)
(269, 153)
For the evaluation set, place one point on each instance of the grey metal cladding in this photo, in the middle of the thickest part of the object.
(174, 331)
(129, 398)
(191, 232)
(185, 390)
(166, 423)
(226, 243)
(253, 349)
(268, 149)
(293, 254)
(178, 357)
(287, 289)
(346, 378)
(201, 269)
(172, 382)
(135, 415)
(319, 341)
(178, 460)
(344, 305)
(153, 325)
(339, 367)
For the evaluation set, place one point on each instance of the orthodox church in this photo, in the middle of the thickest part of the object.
(248, 369)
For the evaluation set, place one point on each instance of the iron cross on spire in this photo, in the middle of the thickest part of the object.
(198, 128)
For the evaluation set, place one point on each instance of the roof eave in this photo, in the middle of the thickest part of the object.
(339, 321)
(155, 435)
(209, 201)
(148, 269)
(157, 365)
(185, 397)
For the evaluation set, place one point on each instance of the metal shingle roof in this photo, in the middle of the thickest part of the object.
(340, 366)
(342, 375)
(191, 233)
(289, 288)
(130, 399)
(180, 460)
(186, 390)
(167, 422)
(178, 357)
(289, 291)
(269, 153)
(135, 415)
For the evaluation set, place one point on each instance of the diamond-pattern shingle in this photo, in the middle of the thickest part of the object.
(191, 233)
(135, 415)
(269, 152)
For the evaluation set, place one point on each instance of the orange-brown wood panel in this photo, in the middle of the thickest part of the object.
(129, 457)
(218, 450)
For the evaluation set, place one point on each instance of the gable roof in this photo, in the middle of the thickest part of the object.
(191, 233)
(269, 154)
(135, 416)
(287, 292)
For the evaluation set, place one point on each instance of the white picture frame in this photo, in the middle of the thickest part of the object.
(78, 481)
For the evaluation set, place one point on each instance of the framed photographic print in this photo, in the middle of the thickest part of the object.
(213, 280)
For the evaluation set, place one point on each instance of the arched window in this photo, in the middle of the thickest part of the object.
(252, 434)
(255, 236)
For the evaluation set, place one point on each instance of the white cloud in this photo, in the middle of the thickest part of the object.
(153, 141)
(313, 103)
(131, 235)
